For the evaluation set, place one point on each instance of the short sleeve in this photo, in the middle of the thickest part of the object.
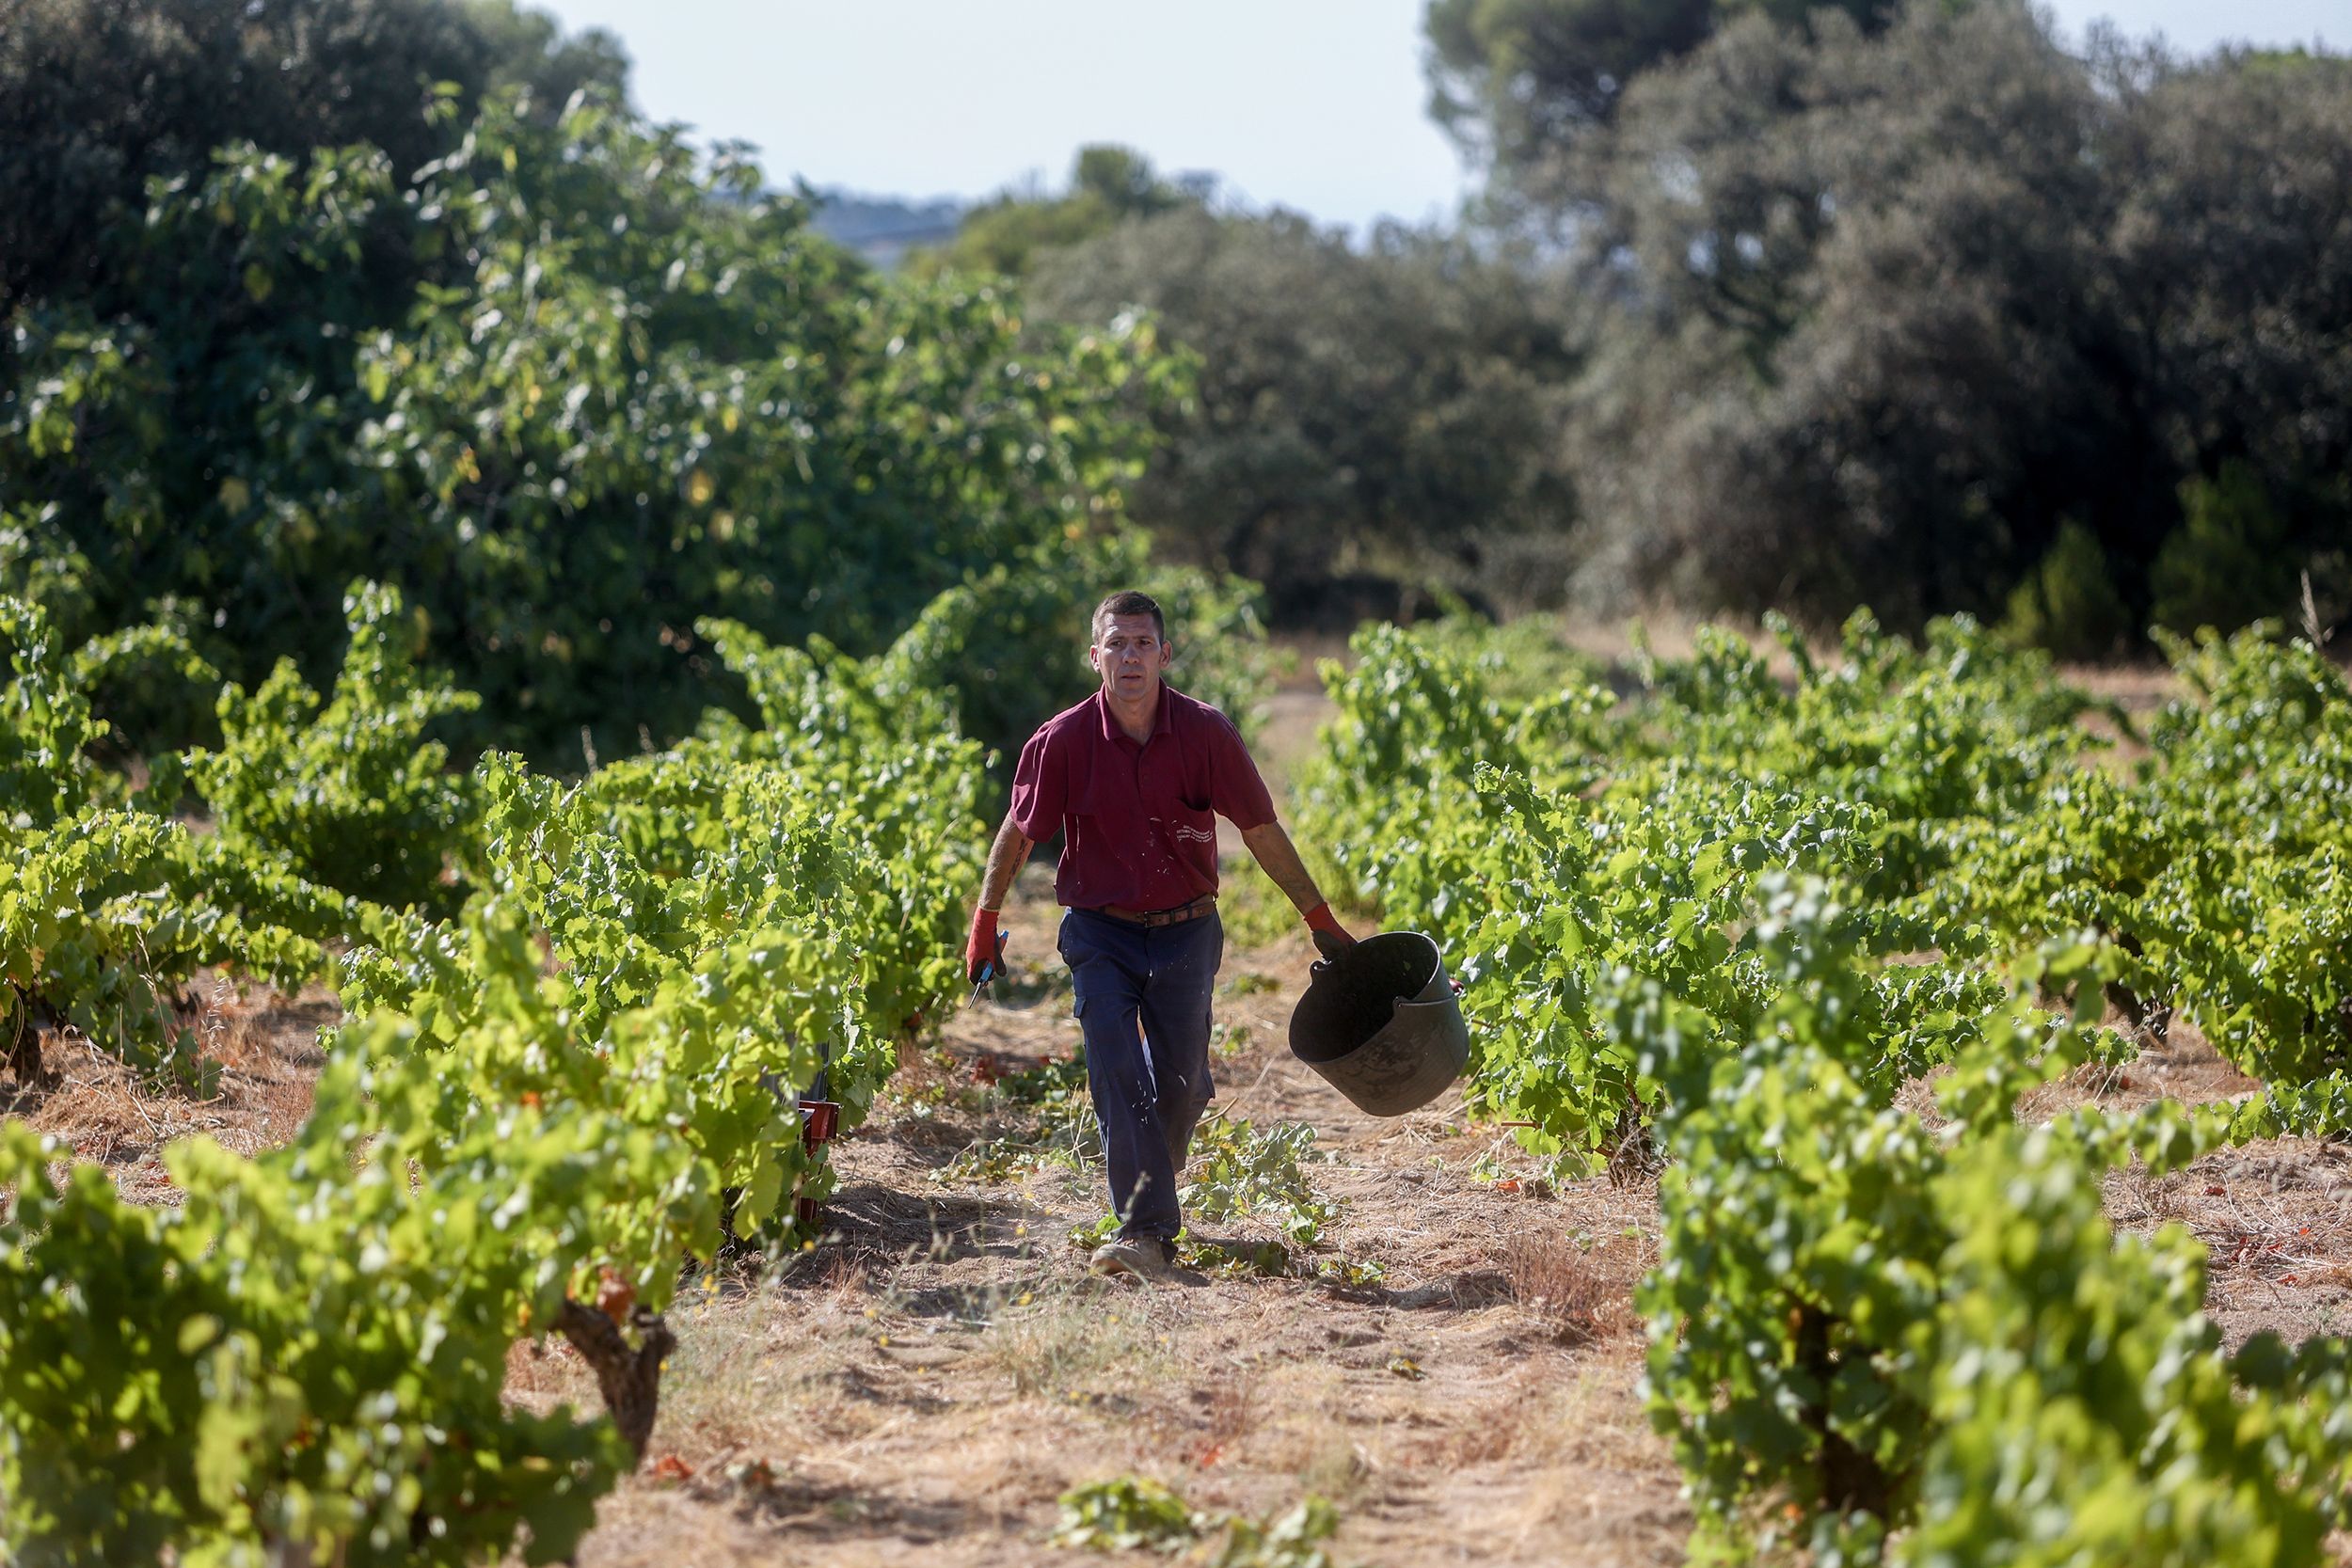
(1236, 791)
(1040, 788)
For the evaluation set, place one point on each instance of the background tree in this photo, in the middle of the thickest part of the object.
(1365, 421)
(1809, 307)
(1109, 187)
(1877, 312)
(1517, 82)
(99, 96)
(621, 390)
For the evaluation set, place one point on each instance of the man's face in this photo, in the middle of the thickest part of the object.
(1129, 655)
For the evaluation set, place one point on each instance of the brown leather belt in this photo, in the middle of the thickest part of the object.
(1205, 904)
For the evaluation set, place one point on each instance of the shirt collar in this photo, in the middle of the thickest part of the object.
(1161, 723)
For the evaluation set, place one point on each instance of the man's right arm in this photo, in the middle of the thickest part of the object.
(1038, 792)
(1005, 858)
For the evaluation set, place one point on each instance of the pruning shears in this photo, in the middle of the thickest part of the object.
(992, 971)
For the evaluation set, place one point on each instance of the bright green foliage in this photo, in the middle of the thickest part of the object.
(2084, 1409)
(1793, 1252)
(1518, 661)
(1290, 1539)
(107, 911)
(105, 916)
(2262, 745)
(2260, 946)
(785, 957)
(1134, 1513)
(308, 1350)
(1007, 651)
(1236, 1170)
(44, 772)
(346, 791)
(1124, 1512)
(584, 1078)
(1932, 735)
(1382, 799)
(1943, 788)
(784, 901)
(2081, 856)
(1865, 1319)
(2220, 873)
(871, 747)
(2251, 922)
(1878, 1335)
(1662, 890)
(567, 385)
(1552, 842)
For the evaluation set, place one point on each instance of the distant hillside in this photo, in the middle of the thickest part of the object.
(883, 229)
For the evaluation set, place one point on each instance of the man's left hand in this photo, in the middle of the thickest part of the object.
(1331, 938)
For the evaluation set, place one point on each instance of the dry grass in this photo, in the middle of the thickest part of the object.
(1230, 1414)
(2138, 688)
(1069, 1337)
(1579, 1290)
(1667, 633)
(1313, 1431)
(264, 1048)
(2183, 1066)
(2275, 1216)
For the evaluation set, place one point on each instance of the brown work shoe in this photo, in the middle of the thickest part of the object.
(1145, 1257)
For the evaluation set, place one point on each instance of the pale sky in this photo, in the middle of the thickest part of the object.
(1314, 105)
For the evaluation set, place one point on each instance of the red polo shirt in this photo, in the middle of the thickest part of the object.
(1137, 832)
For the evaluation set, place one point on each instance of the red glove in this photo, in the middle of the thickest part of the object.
(1331, 938)
(984, 955)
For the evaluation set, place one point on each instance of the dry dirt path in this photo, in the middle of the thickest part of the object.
(923, 1386)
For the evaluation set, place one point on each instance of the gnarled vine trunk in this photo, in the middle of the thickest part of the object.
(629, 1377)
(1850, 1479)
(22, 1026)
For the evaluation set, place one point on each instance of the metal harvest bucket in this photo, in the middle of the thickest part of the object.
(1381, 1023)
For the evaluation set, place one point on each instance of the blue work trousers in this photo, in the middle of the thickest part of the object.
(1143, 1002)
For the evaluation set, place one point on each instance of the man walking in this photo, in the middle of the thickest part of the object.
(1134, 778)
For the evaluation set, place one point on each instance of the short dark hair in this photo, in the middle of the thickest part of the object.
(1127, 601)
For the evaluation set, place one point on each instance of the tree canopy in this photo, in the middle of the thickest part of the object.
(99, 96)
(1364, 419)
(1887, 312)
(1517, 82)
(569, 386)
(1108, 185)
(1771, 306)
